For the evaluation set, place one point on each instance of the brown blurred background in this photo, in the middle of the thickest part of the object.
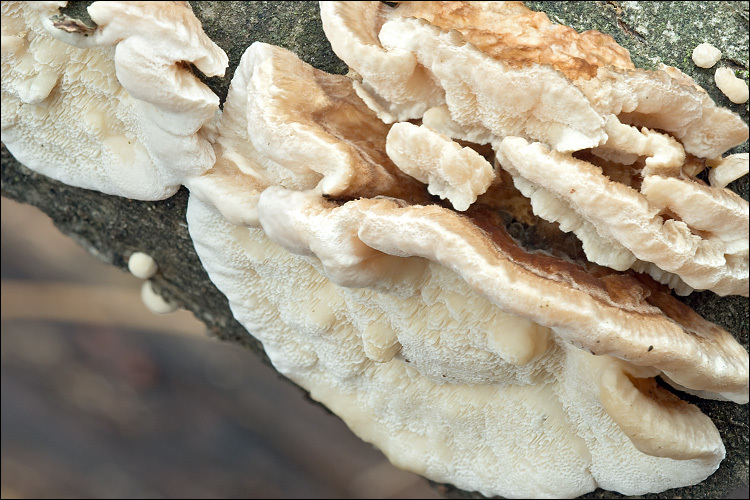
(103, 399)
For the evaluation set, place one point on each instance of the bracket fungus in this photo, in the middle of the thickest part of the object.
(450, 171)
(357, 226)
(577, 95)
(426, 327)
(106, 108)
(286, 123)
(446, 384)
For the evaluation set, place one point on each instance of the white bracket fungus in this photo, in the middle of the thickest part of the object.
(450, 171)
(394, 83)
(625, 144)
(109, 115)
(432, 333)
(490, 95)
(599, 105)
(464, 369)
(446, 307)
(337, 151)
(575, 93)
(728, 169)
(689, 242)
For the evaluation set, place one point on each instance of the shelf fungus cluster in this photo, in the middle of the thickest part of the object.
(107, 108)
(358, 225)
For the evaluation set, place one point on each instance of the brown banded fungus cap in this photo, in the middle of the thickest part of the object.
(310, 134)
(107, 107)
(506, 71)
(426, 327)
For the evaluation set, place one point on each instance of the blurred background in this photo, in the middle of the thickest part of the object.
(103, 399)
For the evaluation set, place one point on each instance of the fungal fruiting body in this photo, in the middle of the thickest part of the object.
(734, 88)
(728, 169)
(616, 126)
(359, 229)
(449, 386)
(142, 265)
(106, 108)
(153, 301)
(706, 55)
(428, 329)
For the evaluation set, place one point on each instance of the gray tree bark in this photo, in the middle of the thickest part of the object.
(112, 228)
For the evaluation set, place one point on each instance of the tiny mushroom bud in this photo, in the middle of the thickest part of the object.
(706, 55)
(155, 302)
(734, 88)
(142, 265)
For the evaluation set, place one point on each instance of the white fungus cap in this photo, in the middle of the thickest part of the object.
(155, 302)
(706, 55)
(142, 265)
(734, 88)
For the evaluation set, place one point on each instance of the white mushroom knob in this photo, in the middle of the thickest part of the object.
(706, 55)
(155, 302)
(142, 265)
(732, 87)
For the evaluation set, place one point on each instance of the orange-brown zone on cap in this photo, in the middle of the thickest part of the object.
(629, 291)
(680, 313)
(624, 297)
(518, 36)
(622, 289)
(348, 119)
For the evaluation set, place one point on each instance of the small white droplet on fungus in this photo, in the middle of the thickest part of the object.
(706, 55)
(142, 265)
(155, 302)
